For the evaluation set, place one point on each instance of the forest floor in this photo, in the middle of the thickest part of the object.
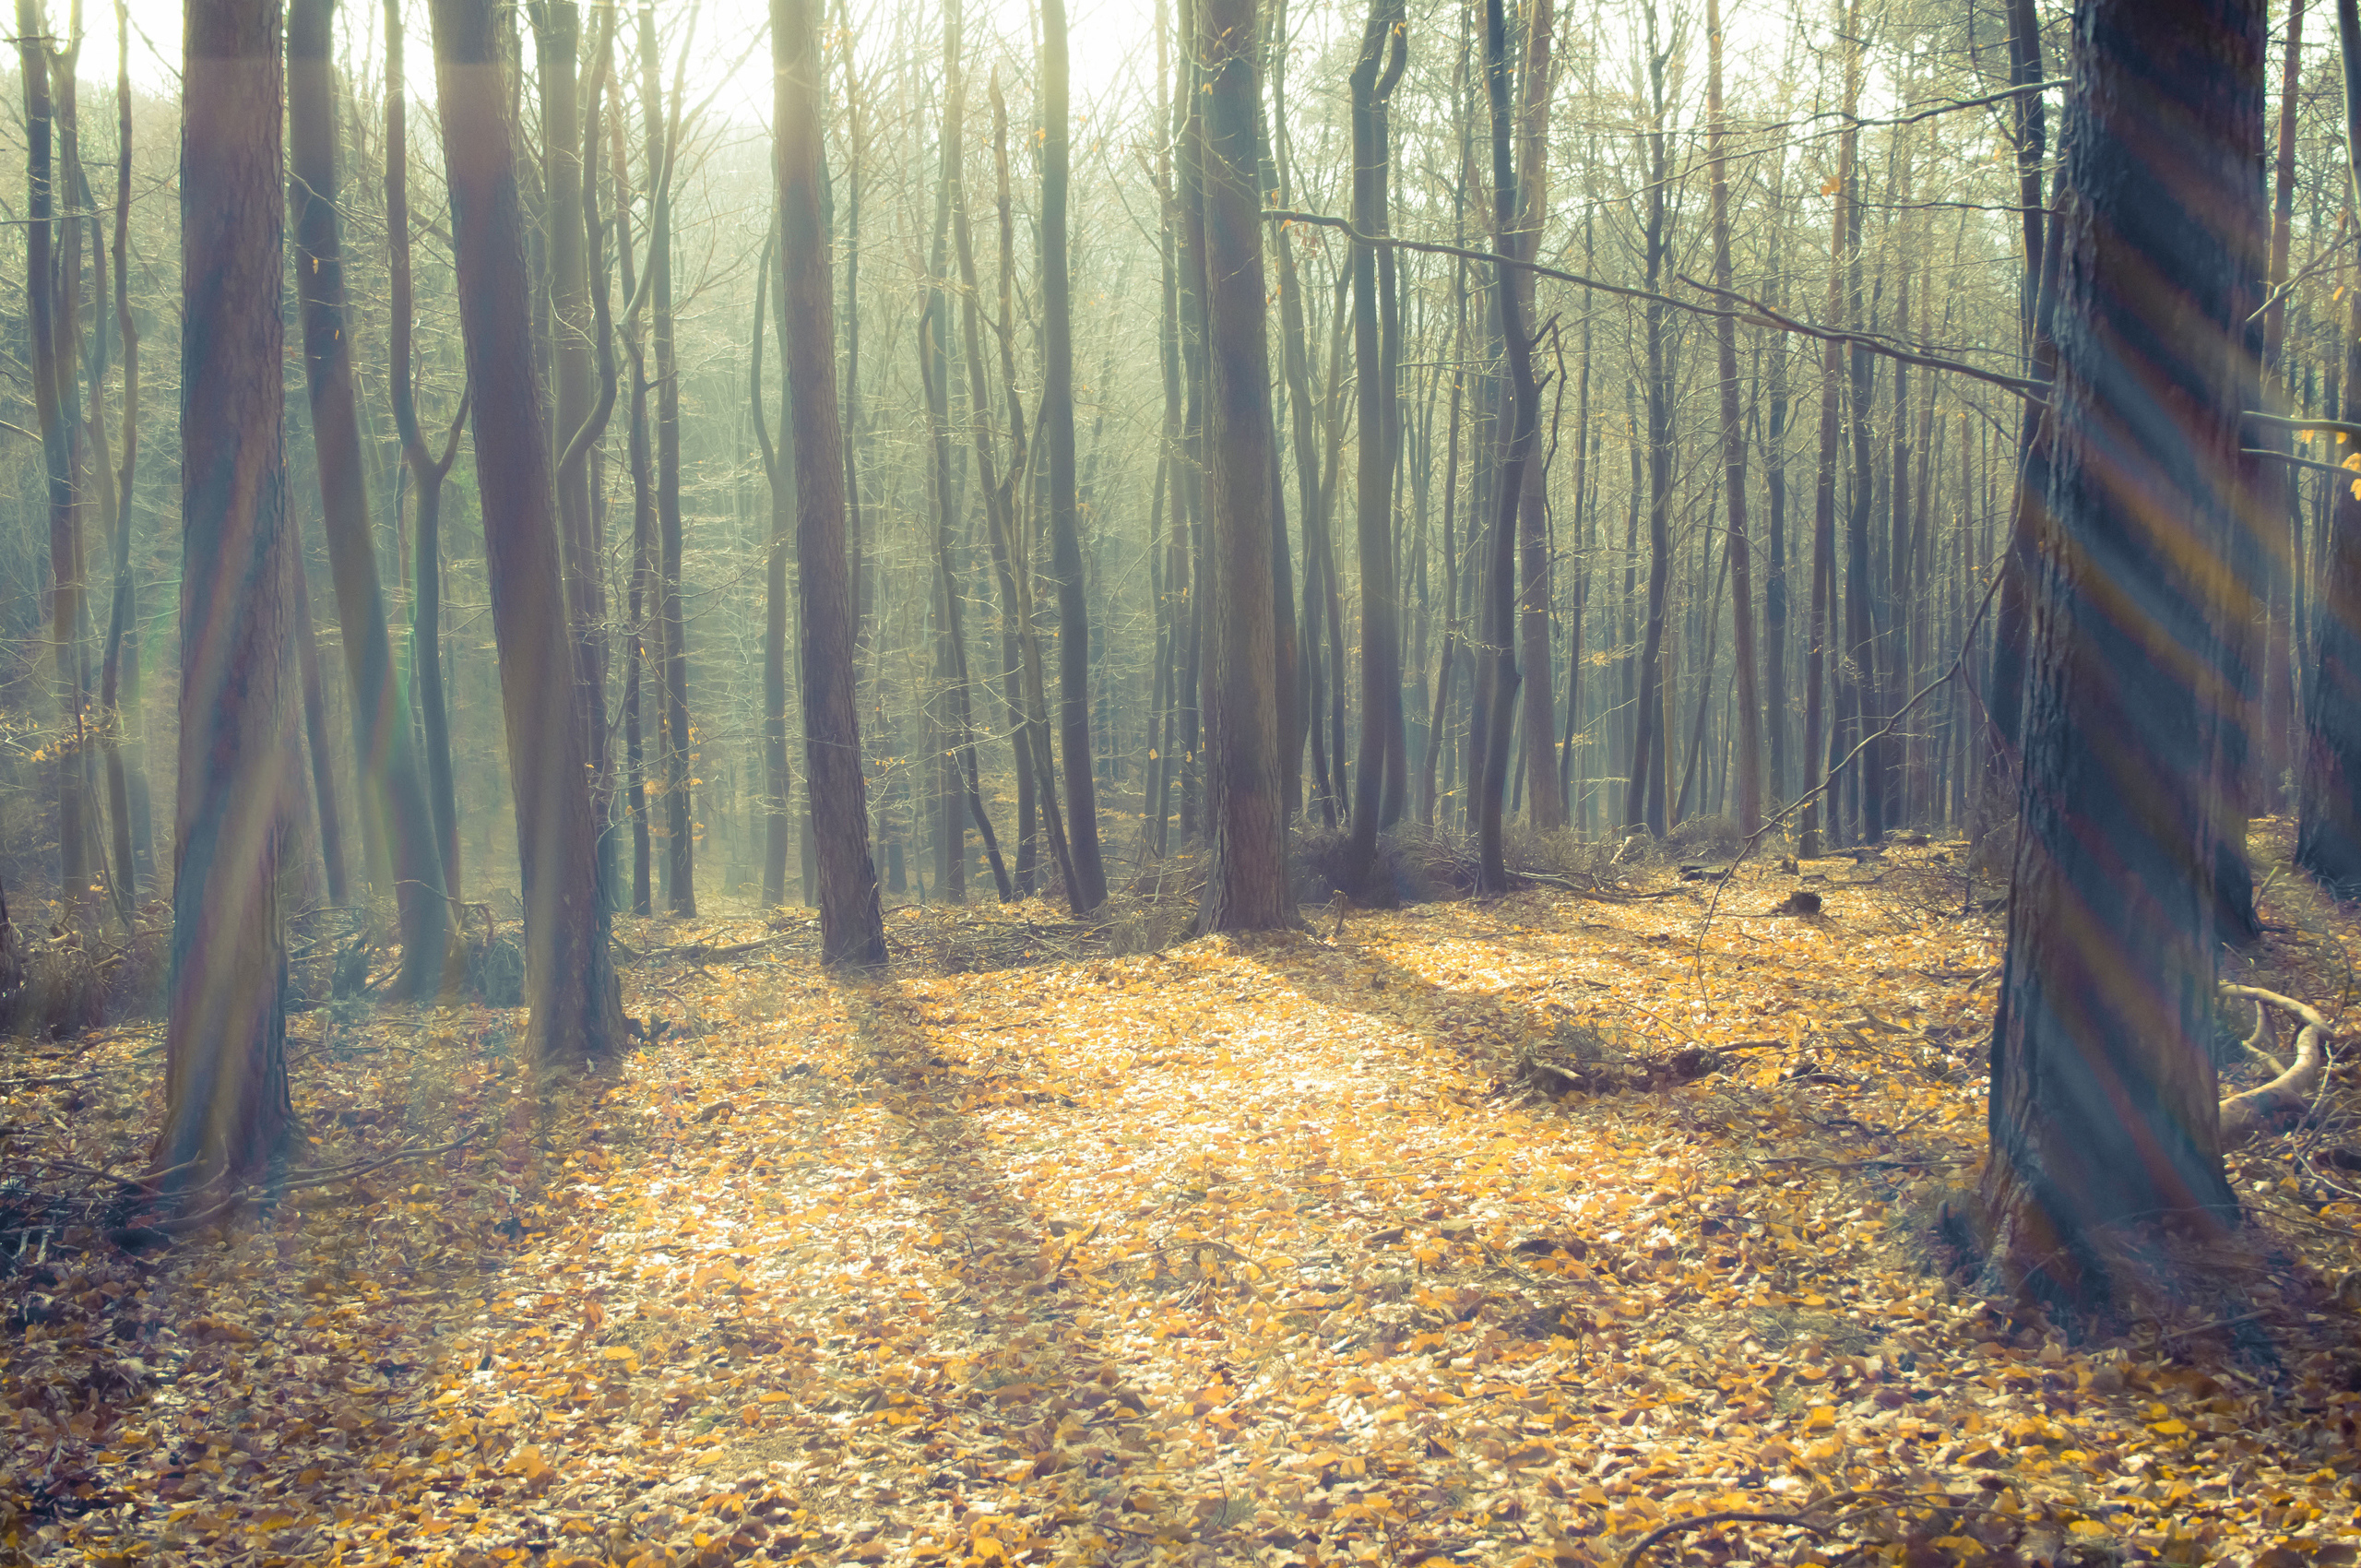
(1266, 1251)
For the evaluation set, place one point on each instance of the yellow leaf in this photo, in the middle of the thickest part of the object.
(1823, 1416)
(2169, 1428)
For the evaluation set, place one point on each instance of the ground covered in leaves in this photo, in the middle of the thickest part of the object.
(1510, 1233)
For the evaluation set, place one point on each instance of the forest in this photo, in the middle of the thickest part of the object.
(1213, 782)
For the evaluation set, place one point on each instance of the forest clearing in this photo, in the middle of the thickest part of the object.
(1257, 1250)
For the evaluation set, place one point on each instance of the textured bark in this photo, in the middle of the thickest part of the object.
(393, 792)
(226, 1108)
(852, 925)
(1246, 886)
(2103, 1099)
(569, 975)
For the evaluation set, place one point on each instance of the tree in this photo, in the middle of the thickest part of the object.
(1057, 445)
(852, 924)
(1544, 800)
(427, 472)
(570, 984)
(1247, 887)
(1384, 53)
(2103, 1099)
(1748, 700)
(226, 1105)
(2328, 802)
(392, 791)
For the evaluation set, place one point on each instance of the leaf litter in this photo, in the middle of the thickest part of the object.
(1548, 1231)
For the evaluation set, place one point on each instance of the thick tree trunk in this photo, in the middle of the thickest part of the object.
(226, 1107)
(394, 793)
(2103, 1099)
(570, 979)
(1246, 884)
(852, 926)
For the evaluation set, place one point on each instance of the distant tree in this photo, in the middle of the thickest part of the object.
(2103, 1097)
(226, 1106)
(577, 1010)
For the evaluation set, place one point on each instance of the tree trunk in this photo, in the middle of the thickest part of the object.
(226, 1107)
(852, 926)
(1516, 449)
(1246, 886)
(1544, 807)
(2103, 1099)
(1644, 796)
(119, 693)
(1385, 52)
(426, 472)
(676, 753)
(2328, 809)
(1817, 784)
(569, 974)
(394, 793)
(1747, 698)
(1056, 440)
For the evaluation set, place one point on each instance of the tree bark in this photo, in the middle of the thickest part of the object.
(2102, 1098)
(1544, 800)
(852, 925)
(1246, 886)
(226, 1107)
(569, 975)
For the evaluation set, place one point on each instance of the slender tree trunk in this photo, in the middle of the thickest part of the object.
(1645, 797)
(1745, 696)
(1385, 52)
(852, 927)
(226, 1107)
(1056, 440)
(1823, 508)
(569, 975)
(1545, 806)
(1516, 449)
(426, 472)
(394, 793)
(677, 747)
(119, 694)
(2276, 499)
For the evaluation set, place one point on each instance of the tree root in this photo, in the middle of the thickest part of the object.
(2287, 1096)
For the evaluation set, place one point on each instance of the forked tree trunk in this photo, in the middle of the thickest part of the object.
(226, 1107)
(1246, 887)
(852, 925)
(426, 472)
(394, 793)
(577, 1010)
(2102, 1098)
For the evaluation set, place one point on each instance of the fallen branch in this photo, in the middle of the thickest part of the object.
(1699, 1521)
(2286, 1098)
